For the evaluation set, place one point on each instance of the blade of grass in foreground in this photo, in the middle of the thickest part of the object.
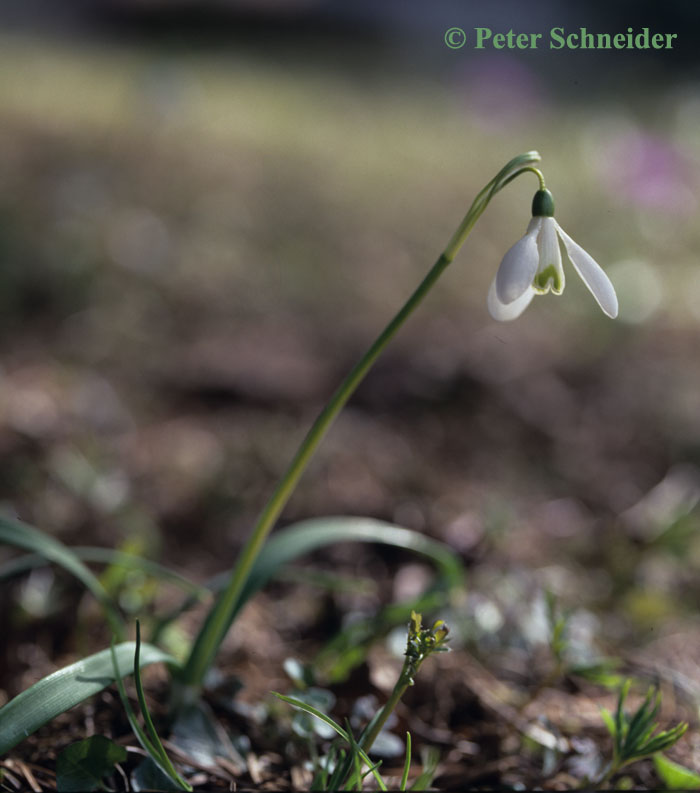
(22, 535)
(67, 687)
(148, 738)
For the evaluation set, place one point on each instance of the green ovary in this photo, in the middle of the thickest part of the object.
(549, 278)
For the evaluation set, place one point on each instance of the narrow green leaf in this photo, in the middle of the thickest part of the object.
(163, 759)
(67, 687)
(22, 535)
(356, 753)
(641, 724)
(320, 781)
(83, 765)
(664, 740)
(297, 703)
(310, 535)
(133, 721)
(336, 779)
(675, 776)
(609, 721)
(108, 556)
(621, 719)
(407, 763)
(430, 757)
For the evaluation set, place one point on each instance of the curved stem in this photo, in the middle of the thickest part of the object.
(219, 618)
(528, 169)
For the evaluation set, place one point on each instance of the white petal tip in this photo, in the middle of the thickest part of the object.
(505, 312)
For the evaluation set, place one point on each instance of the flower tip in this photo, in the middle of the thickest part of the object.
(612, 311)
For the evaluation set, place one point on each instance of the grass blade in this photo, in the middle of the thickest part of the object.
(131, 716)
(164, 760)
(430, 757)
(22, 535)
(336, 779)
(150, 742)
(407, 764)
(67, 687)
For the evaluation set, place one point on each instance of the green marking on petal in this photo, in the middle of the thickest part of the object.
(549, 278)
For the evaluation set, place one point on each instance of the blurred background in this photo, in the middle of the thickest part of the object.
(207, 212)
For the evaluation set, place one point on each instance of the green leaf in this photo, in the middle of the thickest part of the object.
(150, 728)
(675, 776)
(148, 738)
(407, 763)
(621, 722)
(108, 556)
(22, 535)
(310, 535)
(83, 765)
(663, 740)
(67, 687)
(641, 725)
(609, 721)
(430, 757)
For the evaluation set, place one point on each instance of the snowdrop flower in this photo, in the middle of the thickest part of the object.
(533, 266)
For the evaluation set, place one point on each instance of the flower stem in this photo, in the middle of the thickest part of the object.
(219, 618)
(402, 684)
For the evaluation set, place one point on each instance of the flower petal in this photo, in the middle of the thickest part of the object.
(504, 312)
(519, 265)
(550, 273)
(591, 274)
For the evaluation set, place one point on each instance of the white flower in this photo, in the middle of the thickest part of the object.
(533, 267)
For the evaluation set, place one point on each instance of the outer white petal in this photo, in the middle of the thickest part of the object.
(519, 265)
(591, 274)
(504, 312)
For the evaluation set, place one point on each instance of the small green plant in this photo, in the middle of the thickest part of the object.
(421, 643)
(636, 736)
